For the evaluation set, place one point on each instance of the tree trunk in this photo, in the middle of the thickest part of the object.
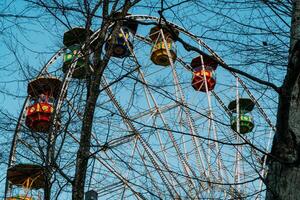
(283, 180)
(83, 153)
(86, 132)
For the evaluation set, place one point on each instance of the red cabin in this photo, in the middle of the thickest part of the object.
(43, 91)
(204, 72)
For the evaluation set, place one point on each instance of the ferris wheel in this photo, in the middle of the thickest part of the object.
(169, 124)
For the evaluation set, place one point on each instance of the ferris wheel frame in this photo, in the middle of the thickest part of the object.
(135, 133)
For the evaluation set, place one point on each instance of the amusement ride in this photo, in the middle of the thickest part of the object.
(169, 124)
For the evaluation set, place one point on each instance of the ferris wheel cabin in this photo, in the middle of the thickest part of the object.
(245, 118)
(25, 178)
(43, 91)
(159, 53)
(204, 73)
(118, 42)
(73, 40)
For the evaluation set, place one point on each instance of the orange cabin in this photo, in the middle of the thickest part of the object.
(204, 73)
(23, 178)
(198, 80)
